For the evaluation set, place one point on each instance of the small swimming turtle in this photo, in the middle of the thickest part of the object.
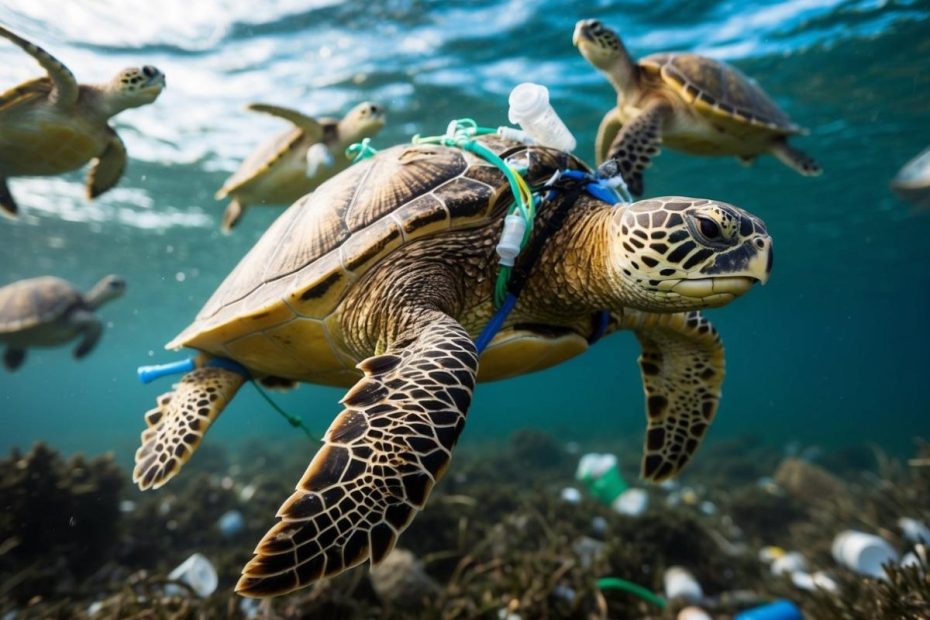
(52, 124)
(297, 161)
(686, 101)
(382, 278)
(912, 182)
(48, 311)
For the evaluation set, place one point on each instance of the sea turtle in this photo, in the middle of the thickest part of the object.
(912, 182)
(48, 311)
(52, 124)
(689, 102)
(381, 279)
(297, 161)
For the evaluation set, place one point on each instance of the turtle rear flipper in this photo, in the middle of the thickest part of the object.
(682, 367)
(177, 425)
(381, 458)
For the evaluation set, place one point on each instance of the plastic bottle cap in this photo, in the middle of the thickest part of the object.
(527, 99)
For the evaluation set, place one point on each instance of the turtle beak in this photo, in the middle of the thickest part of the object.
(581, 32)
(760, 265)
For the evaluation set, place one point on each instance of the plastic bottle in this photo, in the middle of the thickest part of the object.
(863, 553)
(530, 108)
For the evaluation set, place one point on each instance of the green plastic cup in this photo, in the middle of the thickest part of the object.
(600, 475)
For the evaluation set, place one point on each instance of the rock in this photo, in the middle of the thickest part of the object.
(400, 580)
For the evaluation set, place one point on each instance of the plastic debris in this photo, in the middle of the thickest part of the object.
(681, 584)
(863, 553)
(530, 108)
(914, 530)
(632, 502)
(197, 572)
(693, 613)
(789, 562)
(779, 610)
(231, 523)
(570, 495)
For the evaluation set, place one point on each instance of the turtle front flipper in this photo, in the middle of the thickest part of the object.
(66, 85)
(682, 367)
(636, 144)
(109, 167)
(8, 205)
(382, 456)
(606, 134)
(308, 124)
(233, 213)
(796, 159)
(13, 358)
(177, 425)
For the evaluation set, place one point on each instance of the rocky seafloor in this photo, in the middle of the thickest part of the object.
(497, 540)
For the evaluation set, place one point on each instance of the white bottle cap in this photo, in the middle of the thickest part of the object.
(527, 100)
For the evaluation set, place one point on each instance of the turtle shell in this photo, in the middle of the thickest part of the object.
(306, 261)
(35, 301)
(718, 89)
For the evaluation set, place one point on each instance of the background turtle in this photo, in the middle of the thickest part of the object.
(912, 182)
(380, 280)
(297, 161)
(48, 311)
(689, 102)
(52, 124)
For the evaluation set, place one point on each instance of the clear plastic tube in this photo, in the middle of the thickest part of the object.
(530, 108)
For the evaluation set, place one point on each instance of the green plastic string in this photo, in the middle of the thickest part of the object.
(461, 134)
(293, 420)
(361, 150)
(615, 583)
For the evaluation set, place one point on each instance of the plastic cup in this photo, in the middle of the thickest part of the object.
(863, 553)
(197, 572)
(600, 475)
(681, 584)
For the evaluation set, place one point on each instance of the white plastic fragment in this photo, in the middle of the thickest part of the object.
(530, 108)
(632, 502)
(570, 495)
(790, 562)
(805, 581)
(197, 572)
(511, 133)
(863, 553)
(693, 613)
(914, 530)
(681, 584)
(231, 523)
(318, 156)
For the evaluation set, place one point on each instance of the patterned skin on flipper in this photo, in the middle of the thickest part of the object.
(382, 456)
(177, 425)
(638, 142)
(682, 366)
(65, 87)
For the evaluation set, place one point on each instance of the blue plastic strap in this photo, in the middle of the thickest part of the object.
(228, 364)
(601, 321)
(494, 325)
(147, 374)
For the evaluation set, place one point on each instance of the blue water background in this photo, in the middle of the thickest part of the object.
(834, 351)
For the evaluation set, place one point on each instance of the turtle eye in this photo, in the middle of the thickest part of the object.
(709, 228)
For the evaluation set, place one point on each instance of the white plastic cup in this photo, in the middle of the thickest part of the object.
(681, 584)
(863, 553)
(197, 572)
(632, 502)
(791, 562)
(530, 108)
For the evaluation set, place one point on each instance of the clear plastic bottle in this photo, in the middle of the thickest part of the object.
(530, 108)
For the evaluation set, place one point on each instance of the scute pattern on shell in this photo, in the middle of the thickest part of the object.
(30, 302)
(721, 88)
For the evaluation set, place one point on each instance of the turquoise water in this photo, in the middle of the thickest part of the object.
(834, 351)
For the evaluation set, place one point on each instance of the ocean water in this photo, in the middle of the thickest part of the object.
(834, 351)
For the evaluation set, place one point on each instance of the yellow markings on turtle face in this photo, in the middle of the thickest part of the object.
(306, 340)
(516, 352)
(370, 244)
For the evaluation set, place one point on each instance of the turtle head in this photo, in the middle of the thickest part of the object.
(110, 287)
(678, 254)
(134, 87)
(603, 48)
(363, 121)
